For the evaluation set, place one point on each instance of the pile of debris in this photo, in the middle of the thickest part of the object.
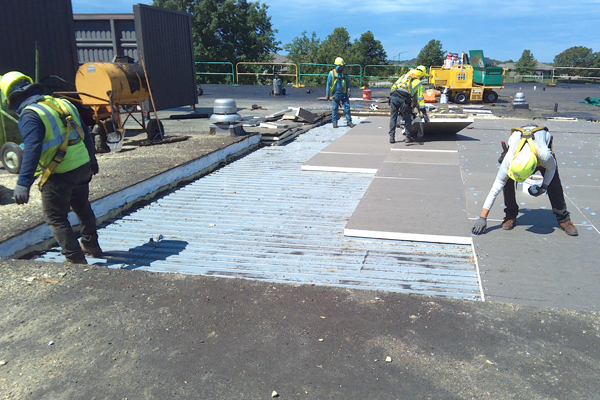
(283, 126)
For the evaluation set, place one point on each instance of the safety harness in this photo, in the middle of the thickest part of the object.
(67, 119)
(527, 136)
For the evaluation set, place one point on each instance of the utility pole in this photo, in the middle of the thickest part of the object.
(402, 52)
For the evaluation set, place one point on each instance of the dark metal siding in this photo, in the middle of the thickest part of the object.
(165, 43)
(50, 24)
(100, 37)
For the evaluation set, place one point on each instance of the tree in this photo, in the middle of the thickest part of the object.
(367, 50)
(336, 45)
(303, 49)
(228, 30)
(432, 54)
(526, 63)
(577, 56)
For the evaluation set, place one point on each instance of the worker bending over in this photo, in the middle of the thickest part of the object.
(407, 88)
(338, 87)
(529, 150)
(59, 149)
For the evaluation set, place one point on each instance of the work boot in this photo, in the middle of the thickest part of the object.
(76, 261)
(335, 125)
(509, 223)
(568, 227)
(100, 144)
(94, 251)
(350, 125)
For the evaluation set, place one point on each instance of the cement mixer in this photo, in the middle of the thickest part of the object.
(115, 92)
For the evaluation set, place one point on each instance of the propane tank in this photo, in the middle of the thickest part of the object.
(277, 83)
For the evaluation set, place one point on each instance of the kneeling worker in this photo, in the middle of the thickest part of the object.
(57, 146)
(529, 150)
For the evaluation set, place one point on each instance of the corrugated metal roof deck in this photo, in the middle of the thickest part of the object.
(263, 218)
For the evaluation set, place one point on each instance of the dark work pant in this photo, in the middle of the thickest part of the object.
(61, 193)
(397, 104)
(555, 194)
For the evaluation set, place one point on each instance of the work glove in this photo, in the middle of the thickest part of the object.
(479, 226)
(21, 194)
(536, 191)
(348, 93)
(94, 167)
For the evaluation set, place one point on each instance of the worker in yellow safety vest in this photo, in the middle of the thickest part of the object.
(338, 87)
(406, 89)
(57, 148)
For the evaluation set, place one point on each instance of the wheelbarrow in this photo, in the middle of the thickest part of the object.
(11, 152)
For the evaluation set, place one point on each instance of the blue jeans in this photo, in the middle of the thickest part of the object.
(340, 98)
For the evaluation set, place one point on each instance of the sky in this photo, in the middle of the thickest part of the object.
(502, 29)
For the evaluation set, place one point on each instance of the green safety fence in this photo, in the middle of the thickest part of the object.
(232, 73)
(389, 68)
(300, 74)
(283, 70)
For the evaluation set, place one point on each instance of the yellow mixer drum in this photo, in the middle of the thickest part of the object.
(126, 81)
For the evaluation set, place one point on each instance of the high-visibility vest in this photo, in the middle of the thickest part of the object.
(412, 86)
(334, 78)
(56, 131)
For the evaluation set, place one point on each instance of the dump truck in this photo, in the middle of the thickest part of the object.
(470, 79)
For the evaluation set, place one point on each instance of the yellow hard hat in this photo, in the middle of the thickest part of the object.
(423, 70)
(522, 165)
(339, 61)
(14, 83)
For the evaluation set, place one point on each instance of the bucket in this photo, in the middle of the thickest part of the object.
(367, 94)
(114, 140)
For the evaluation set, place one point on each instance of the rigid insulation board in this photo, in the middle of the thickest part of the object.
(419, 197)
(362, 149)
(99, 37)
(47, 25)
(165, 45)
